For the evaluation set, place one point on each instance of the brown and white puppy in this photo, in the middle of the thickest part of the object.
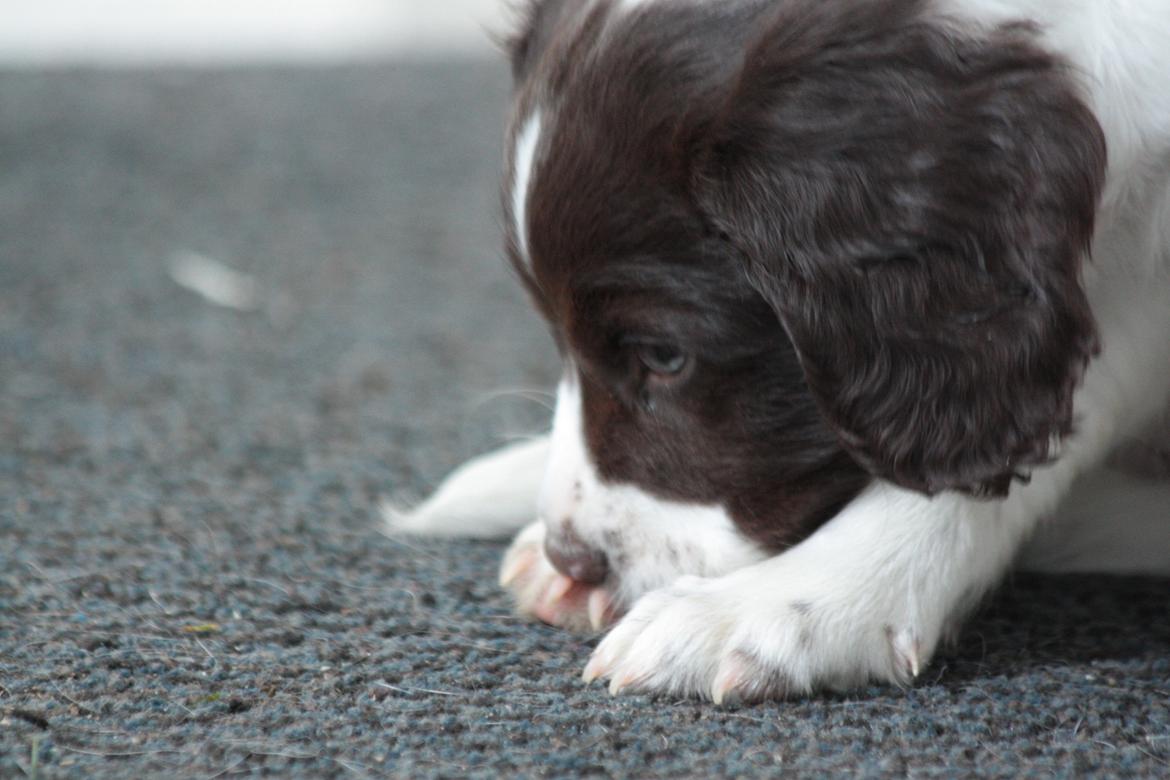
(819, 272)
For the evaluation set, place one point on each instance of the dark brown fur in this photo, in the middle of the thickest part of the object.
(865, 229)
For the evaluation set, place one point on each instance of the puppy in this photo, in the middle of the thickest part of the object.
(849, 297)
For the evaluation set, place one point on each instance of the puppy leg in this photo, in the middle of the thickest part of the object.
(1112, 521)
(867, 597)
(488, 497)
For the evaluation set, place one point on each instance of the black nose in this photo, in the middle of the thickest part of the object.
(573, 557)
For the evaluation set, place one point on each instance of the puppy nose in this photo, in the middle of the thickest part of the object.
(573, 557)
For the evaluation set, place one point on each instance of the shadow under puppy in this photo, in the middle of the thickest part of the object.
(849, 297)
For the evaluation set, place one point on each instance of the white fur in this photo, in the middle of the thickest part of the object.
(893, 563)
(524, 160)
(630, 5)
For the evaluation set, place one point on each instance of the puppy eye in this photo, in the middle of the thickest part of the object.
(662, 359)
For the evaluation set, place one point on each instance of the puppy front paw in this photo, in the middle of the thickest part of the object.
(544, 593)
(739, 638)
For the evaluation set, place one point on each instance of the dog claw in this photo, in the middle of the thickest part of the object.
(907, 653)
(514, 566)
(599, 608)
(557, 589)
(550, 607)
(621, 682)
(594, 669)
(726, 687)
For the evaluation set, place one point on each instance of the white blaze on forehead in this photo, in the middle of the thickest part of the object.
(630, 5)
(523, 160)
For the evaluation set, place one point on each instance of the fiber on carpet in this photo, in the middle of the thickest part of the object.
(192, 578)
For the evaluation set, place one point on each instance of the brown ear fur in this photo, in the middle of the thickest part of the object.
(915, 204)
(538, 20)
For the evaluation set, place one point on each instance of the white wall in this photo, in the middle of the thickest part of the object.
(197, 32)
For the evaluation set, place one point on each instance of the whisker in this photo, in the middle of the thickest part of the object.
(533, 394)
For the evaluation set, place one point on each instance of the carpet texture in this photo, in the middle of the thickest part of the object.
(192, 579)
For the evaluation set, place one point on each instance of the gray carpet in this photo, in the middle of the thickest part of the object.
(192, 583)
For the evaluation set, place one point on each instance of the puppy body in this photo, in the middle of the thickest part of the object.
(782, 500)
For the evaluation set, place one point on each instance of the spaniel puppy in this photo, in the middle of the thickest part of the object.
(848, 295)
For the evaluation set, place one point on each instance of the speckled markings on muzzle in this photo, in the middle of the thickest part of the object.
(647, 541)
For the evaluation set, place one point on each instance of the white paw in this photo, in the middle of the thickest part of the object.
(746, 638)
(487, 497)
(546, 594)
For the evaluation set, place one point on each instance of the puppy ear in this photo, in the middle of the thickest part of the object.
(916, 206)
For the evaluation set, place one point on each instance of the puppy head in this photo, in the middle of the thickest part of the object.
(788, 247)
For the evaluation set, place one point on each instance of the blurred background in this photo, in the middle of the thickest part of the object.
(202, 32)
(265, 214)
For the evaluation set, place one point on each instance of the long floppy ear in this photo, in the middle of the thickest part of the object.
(916, 206)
